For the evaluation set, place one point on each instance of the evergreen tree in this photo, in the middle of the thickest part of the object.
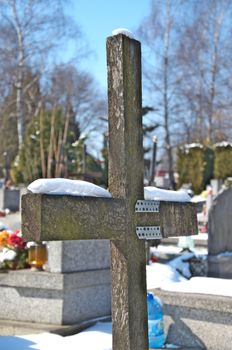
(223, 160)
(195, 166)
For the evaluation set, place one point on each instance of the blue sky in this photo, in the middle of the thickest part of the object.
(97, 19)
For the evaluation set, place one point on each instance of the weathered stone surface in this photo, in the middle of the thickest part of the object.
(55, 298)
(174, 219)
(47, 217)
(220, 266)
(196, 320)
(126, 181)
(125, 121)
(220, 235)
(220, 223)
(73, 256)
(12, 327)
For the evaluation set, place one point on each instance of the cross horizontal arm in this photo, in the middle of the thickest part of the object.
(53, 217)
(174, 219)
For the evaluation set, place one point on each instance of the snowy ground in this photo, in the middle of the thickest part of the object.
(98, 337)
(166, 277)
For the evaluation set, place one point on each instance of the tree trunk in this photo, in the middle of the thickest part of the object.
(214, 67)
(51, 141)
(19, 78)
(165, 95)
(42, 157)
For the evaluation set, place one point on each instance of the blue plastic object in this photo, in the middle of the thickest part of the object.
(155, 322)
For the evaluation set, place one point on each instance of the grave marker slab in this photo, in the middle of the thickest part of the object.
(47, 217)
(220, 235)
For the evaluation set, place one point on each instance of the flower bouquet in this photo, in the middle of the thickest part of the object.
(13, 251)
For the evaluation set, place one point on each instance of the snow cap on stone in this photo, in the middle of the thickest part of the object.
(123, 31)
(60, 186)
(154, 193)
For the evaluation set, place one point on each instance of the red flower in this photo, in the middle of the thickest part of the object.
(15, 240)
(153, 259)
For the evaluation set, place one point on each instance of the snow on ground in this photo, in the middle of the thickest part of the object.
(167, 277)
(202, 285)
(158, 275)
(98, 337)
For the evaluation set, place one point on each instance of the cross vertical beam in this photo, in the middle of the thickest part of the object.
(128, 260)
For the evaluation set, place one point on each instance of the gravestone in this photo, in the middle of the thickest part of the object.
(197, 321)
(11, 199)
(76, 288)
(220, 235)
(70, 256)
(216, 185)
(126, 219)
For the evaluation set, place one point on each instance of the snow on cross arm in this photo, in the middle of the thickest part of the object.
(61, 186)
(154, 193)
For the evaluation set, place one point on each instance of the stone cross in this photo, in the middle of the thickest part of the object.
(126, 219)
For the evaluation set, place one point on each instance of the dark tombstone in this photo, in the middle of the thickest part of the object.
(11, 199)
